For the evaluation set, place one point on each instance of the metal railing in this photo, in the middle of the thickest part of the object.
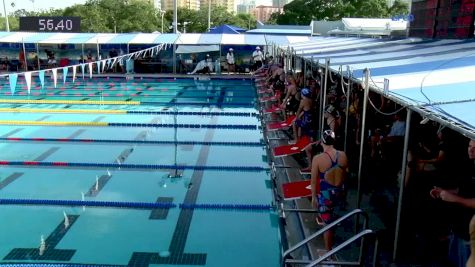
(356, 212)
(352, 239)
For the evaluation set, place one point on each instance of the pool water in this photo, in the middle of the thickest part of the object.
(205, 131)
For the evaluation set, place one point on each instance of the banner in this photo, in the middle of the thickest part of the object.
(55, 76)
(41, 75)
(65, 74)
(13, 79)
(28, 81)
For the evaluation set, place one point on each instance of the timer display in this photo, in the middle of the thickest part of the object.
(50, 24)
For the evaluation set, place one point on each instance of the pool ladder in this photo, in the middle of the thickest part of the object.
(362, 235)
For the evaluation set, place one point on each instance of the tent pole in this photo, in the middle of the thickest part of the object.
(174, 58)
(82, 53)
(402, 182)
(24, 55)
(320, 117)
(98, 52)
(324, 95)
(348, 95)
(38, 56)
(362, 136)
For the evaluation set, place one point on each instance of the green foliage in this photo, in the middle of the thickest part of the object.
(302, 12)
(399, 8)
(137, 16)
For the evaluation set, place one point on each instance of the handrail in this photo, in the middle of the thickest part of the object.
(346, 243)
(324, 229)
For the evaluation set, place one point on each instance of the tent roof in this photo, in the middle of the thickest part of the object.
(432, 76)
(147, 38)
(227, 29)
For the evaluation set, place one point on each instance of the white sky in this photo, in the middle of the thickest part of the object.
(31, 5)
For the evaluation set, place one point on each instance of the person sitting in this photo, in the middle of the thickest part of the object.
(329, 171)
(205, 66)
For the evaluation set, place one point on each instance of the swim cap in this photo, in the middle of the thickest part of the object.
(328, 137)
(306, 92)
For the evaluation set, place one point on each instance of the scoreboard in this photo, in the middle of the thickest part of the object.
(442, 18)
(50, 24)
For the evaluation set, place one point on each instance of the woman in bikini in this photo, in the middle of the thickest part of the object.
(329, 171)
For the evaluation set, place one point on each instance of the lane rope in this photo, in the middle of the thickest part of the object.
(123, 141)
(128, 124)
(132, 205)
(133, 166)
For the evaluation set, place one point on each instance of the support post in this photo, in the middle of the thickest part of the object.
(362, 136)
(402, 182)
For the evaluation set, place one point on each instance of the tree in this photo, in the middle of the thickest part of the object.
(302, 12)
(399, 8)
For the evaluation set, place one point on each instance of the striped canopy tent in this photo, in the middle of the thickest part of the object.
(149, 38)
(433, 77)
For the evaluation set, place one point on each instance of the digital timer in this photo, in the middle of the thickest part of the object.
(50, 24)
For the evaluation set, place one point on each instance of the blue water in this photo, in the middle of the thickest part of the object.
(113, 235)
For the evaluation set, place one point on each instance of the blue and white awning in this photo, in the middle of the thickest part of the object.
(435, 75)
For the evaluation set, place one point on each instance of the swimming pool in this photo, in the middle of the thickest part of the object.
(67, 165)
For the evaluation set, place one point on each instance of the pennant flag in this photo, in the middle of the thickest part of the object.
(83, 66)
(65, 74)
(55, 76)
(121, 61)
(13, 78)
(114, 61)
(74, 72)
(108, 62)
(41, 75)
(98, 64)
(151, 52)
(103, 65)
(28, 80)
(90, 69)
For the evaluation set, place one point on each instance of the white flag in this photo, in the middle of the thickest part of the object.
(28, 80)
(55, 76)
(74, 73)
(90, 69)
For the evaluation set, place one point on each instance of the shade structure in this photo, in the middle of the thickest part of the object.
(432, 76)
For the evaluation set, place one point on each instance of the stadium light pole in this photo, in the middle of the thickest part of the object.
(175, 16)
(6, 16)
(209, 15)
(162, 14)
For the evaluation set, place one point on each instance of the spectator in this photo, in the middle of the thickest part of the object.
(257, 58)
(230, 61)
(205, 66)
(463, 198)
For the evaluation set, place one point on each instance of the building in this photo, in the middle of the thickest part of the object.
(280, 3)
(263, 13)
(228, 4)
(442, 19)
(245, 8)
(190, 4)
(294, 30)
(365, 27)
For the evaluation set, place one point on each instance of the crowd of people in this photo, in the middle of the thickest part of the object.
(439, 199)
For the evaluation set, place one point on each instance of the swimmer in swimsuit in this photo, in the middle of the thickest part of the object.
(329, 170)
